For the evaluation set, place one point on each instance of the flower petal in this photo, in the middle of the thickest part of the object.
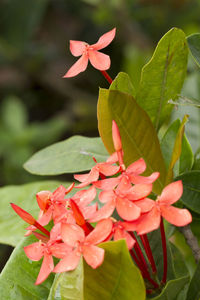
(100, 61)
(108, 170)
(93, 255)
(60, 250)
(122, 234)
(89, 211)
(127, 210)
(106, 196)
(92, 177)
(113, 158)
(34, 251)
(171, 193)
(148, 222)
(176, 216)
(139, 191)
(100, 232)
(77, 47)
(71, 233)
(59, 193)
(42, 199)
(145, 204)
(46, 269)
(78, 67)
(104, 40)
(107, 184)
(138, 167)
(137, 179)
(104, 212)
(68, 263)
(85, 197)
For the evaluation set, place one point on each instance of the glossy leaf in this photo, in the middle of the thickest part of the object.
(19, 275)
(117, 278)
(172, 289)
(162, 78)
(167, 145)
(72, 155)
(191, 190)
(194, 287)
(123, 83)
(176, 150)
(178, 262)
(12, 228)
(139, 138)
(194, 46)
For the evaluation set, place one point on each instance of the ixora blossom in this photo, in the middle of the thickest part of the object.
(74, 237)
(122, 188)
(91, 53)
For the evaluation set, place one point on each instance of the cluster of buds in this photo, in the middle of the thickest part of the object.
(123, 190)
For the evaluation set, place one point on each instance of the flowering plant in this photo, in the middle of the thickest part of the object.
(107, 236)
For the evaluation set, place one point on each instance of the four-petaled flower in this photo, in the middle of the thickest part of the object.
(90, 53)
(74, 236)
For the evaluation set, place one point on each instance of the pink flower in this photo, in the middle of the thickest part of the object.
(132, 174)
(122, 199)
(74, 236)
(104, 168)
(40, 249)
(90, 53)
(153, 210)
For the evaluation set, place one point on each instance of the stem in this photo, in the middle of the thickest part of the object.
(148, 251)
(107, 77)
(164, 246)
(139, 251)
(191, 241)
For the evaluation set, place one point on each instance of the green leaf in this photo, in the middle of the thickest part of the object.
(196, 165)
(178, 262)
(139, 137)
(72, 155)
(117, 278)
(191, 190)
(194, 287)
(12, 228)
(123, 84)
(176, 153)
(175, 145)
(156, 247)
(194, 46)
(18, 277)
(162, 78)
(172, 289)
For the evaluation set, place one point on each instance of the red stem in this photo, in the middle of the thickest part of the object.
(164, 246)
(107, 77)
(139, 251)
(148, 251)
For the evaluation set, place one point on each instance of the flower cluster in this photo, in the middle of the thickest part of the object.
(73, 234)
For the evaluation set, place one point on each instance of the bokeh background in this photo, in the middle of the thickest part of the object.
(37, 106)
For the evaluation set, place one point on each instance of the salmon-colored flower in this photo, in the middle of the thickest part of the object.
(47, 250)
(74, 236)
(104, 168)
(122, 199)
(90, 53)
(150, 220)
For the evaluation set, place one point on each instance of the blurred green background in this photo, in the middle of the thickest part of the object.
(37, 106)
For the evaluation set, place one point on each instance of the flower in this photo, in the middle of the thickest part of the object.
(74, 236)
(122, 199)
(154, 210)
(104, 168)
(99, 60)
(41, 249)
